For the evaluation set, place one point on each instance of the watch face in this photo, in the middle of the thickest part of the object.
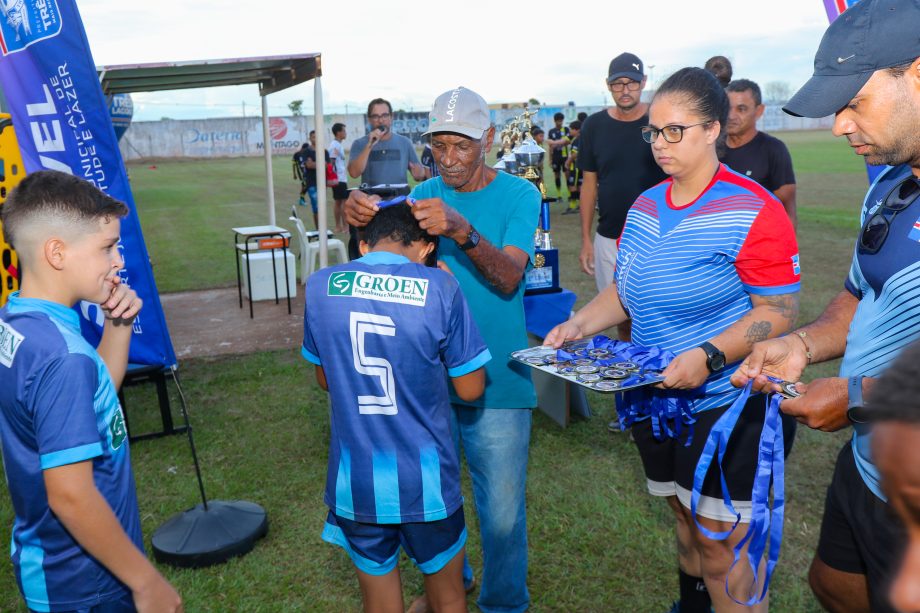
(717, 362)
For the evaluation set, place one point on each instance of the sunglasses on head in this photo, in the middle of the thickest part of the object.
(875, 231)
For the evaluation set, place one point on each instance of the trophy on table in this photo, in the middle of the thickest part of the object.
(523, 157)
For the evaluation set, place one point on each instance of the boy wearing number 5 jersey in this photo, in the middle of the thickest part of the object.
(385, 332)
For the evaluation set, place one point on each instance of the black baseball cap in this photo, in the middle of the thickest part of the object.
(870, 35)
(625, 65)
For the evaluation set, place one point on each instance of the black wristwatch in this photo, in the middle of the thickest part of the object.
(856, 408)
(715, 359)
(472, 239)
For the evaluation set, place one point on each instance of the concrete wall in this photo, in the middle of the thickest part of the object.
(236, 137)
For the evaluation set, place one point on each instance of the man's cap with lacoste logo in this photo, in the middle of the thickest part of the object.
(625, 65)
(459, 110)
(870, 35)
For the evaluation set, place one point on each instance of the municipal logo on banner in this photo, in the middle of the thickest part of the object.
(796, 268)
(914, 234)
(27, 21)
(385, 288)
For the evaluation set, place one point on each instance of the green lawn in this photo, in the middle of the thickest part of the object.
(598, 542)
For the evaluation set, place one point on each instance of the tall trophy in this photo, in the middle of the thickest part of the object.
(523, 157)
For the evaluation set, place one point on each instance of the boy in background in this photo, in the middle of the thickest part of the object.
(385, 332)
(77, 541)
(573, 176)
(558, 141)
(340, 190)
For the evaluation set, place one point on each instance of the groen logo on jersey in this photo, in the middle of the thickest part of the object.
(118, 429)
(340, 283)
(10, 340)
(386, 288)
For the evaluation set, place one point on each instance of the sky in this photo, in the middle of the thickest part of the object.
(409, 53)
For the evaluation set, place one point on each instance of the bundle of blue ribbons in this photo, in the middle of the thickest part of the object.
(671, 412)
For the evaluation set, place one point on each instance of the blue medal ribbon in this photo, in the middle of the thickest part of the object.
(766, 520)
(671, 411)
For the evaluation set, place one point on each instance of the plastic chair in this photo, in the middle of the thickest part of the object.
(309, 249)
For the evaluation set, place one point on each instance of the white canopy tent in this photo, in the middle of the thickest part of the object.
(272, 74)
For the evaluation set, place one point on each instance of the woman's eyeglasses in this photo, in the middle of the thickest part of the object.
(875, 230)
(672, 134)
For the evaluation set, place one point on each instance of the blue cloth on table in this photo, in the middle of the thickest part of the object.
(543, 312)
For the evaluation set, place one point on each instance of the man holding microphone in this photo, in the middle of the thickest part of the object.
(382, 158)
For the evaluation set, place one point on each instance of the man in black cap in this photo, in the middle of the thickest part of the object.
(616, 165)
(867, 72)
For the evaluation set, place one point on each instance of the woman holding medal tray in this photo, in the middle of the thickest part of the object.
(707, 266)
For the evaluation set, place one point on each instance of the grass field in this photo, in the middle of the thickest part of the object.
(598, 542)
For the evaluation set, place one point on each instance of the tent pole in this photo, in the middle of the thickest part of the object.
(267, 148)
(320, 126)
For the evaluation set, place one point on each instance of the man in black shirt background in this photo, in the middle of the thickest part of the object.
(754, 153)
(616, 166)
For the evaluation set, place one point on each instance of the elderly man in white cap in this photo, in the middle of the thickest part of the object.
(488, 218)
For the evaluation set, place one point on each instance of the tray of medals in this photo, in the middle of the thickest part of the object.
(596, 369)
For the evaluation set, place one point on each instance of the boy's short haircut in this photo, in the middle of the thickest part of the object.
(575, 125)
(337, 127)
(558, 116)
(396, 223)
(536, 130)
(50, 200)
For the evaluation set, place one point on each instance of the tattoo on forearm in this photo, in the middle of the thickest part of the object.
(758, 331)
(787, 305)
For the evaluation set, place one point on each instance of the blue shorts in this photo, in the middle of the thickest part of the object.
(374, 548)
(313, 201)
(123, 604)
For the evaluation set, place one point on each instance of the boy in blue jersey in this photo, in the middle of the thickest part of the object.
(77, 542)
(385, 332)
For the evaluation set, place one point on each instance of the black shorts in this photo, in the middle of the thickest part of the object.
(340, 191)
(669, 465)
(860, 532)
(558, 164)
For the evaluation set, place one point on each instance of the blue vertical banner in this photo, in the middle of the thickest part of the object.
(62, 122)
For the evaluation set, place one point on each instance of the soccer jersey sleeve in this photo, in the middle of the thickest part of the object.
(61, 403)
(853, 282)
(768, 261)
(463, 349)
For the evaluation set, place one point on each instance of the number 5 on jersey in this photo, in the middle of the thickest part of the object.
(361, 324)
